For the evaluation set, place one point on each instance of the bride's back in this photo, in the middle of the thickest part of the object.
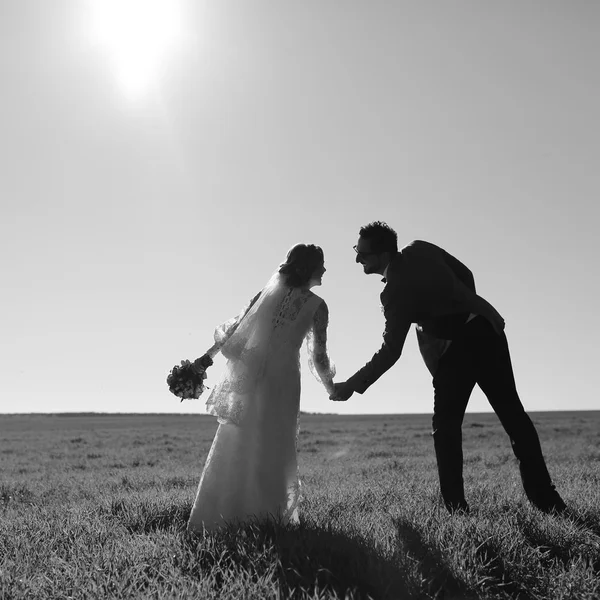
(274, 326)
(293, 318)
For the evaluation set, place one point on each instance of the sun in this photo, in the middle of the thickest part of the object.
(139, 36)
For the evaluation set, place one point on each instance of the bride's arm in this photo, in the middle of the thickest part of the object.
(223, 333)
(319, 362)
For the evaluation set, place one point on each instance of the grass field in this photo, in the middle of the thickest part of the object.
(96, 507)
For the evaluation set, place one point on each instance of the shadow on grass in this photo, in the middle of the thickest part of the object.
(306, 561)
(439, 581)
(310, 561)
(437, 576)
(581, 545)
(325, 559)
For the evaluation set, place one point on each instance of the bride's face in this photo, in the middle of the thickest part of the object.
(317, 276)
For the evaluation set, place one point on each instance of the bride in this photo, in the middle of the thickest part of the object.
(252, 468)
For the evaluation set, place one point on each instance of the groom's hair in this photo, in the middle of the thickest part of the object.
(301, 262)
(381, 237)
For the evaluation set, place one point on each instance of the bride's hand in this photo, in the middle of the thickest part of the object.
(202, 363)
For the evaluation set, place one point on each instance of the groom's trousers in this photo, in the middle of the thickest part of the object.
(479, 355)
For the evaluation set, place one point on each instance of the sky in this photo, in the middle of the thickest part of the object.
(159, 158)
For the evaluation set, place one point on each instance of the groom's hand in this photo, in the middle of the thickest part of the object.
(342, 392)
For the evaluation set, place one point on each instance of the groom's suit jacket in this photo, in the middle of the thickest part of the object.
(424, 285)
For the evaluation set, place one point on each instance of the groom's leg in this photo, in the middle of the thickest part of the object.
(453, 383)
(496, 379)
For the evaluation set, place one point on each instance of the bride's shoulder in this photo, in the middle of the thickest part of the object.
(316, 299)
(319, 305)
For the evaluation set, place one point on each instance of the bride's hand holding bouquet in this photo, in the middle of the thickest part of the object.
(186, 381)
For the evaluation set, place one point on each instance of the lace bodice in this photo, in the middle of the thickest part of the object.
(290, 307)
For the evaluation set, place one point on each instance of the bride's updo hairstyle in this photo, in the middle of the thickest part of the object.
(301, 262)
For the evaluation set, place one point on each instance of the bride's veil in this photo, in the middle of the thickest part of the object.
(246, 351)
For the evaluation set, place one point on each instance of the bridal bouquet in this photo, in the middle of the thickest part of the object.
(186, 381)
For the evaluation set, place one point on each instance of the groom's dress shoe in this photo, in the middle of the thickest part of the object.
(551, 503)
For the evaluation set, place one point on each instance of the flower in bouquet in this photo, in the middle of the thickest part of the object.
(186, 381)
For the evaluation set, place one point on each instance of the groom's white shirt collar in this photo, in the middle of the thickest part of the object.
(385, 272)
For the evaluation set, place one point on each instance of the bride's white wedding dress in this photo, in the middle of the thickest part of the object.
(252, 468)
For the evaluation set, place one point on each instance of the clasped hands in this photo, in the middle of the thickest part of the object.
(342, 391)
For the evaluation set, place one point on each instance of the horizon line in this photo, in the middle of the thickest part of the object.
(115, 413)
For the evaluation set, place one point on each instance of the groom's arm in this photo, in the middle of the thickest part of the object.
(398, 320)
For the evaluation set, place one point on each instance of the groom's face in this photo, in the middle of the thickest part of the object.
(371, 262)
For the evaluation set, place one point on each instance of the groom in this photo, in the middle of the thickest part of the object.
(462, 341)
